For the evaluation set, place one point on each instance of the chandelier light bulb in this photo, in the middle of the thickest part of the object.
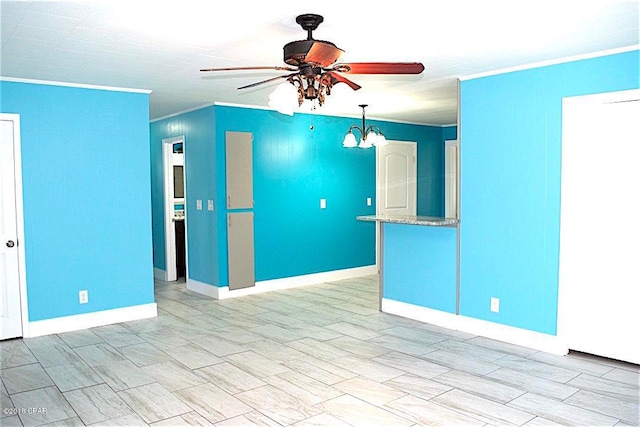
(349, 140)
(381, 140)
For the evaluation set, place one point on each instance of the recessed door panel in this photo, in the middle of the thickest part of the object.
(397, 178)
(240, 246)
(239, 164)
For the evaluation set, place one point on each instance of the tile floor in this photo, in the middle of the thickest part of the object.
(320, 355)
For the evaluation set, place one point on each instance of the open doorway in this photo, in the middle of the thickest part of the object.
(175, 196)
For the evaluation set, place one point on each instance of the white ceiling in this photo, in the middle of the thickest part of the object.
(161, 46)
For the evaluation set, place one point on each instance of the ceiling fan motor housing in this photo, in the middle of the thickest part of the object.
(296, 52)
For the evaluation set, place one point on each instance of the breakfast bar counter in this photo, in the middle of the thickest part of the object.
(431, 221)
(418, 262)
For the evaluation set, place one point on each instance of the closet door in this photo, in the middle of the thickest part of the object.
(240, 224)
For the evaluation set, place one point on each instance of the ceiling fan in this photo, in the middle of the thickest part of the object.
(313, 69)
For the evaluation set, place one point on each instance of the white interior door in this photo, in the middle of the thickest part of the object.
(599, 233)
(397, 178)
(10, 301)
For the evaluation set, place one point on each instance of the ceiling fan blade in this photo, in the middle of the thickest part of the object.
(323, 54)
(249, 68)
(337, 78)
(380, 68)
(285, 76)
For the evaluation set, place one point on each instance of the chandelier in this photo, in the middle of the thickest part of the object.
(370, 136)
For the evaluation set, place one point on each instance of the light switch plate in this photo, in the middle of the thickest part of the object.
(323, 203)
(368, 201)
(210, 205)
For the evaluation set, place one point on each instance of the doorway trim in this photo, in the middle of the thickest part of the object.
(451, 178)
(171, 273)
(17, 171)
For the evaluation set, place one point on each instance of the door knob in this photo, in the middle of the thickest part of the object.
(10, 243)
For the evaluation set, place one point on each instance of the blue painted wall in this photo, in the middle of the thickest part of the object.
(87, 205)
(198, 128)
(420, 265)
(449, 133)
(294, 167)
(511, 131)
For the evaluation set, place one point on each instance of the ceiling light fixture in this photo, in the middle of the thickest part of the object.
(371, 136)
(297, 88)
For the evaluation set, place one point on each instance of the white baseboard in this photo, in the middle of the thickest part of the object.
(91, 320)
(203, 288)
(159, 274)
(223, 292)
(509, 334)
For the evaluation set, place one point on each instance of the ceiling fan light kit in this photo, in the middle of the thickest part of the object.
(313, 69)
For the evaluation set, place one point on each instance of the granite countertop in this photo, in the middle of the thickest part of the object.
(412, 219)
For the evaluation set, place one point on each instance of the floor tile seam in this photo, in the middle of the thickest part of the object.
(621, 385)
(176, 394)
(512, 405)
(133, 389)
(604, 361)
(61, 394)
(381, 407)
(547, 365)
(302, 388)
(611, 395)
(466, 414)
(565, 367)
(113, 391)
(476, 416)
(240, 391)
(501, 381)
(53, 383)
(605, 396)
(522, 390)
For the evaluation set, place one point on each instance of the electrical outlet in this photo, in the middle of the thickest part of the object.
(83, 297)
(199, 204)
(495, 305)
(323, 203)
(210, 205)
(368, 201)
